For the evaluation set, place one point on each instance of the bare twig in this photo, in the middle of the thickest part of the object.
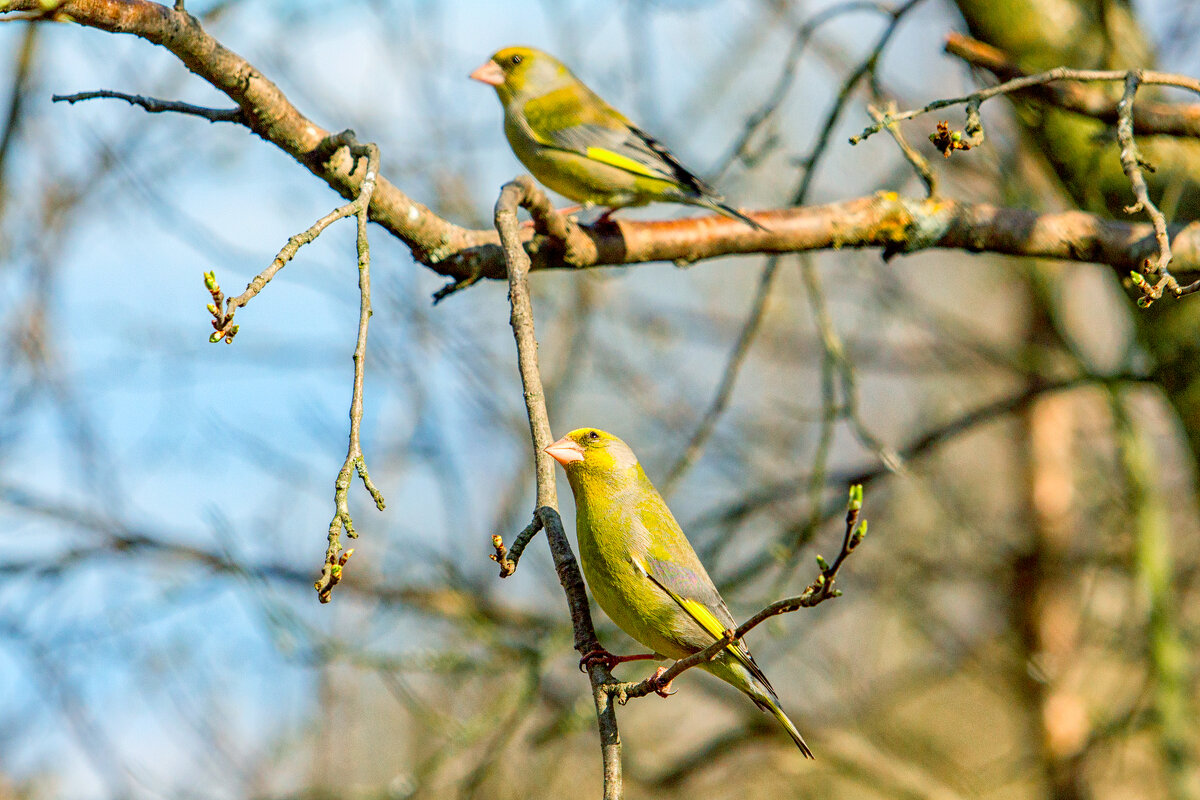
(728, 380)
(918, 162)
(787, 76)
(153, 105)
(765, 496)
(355, 462)
(1157, 270)
(507, 558)
(522, 191)
(1055, 75)
(817, 592)
(223, 312)
(22, 70)
(1149, 118)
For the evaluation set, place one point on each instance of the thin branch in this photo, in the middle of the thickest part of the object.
(22, 70)
(765, 496)
(154, 105)
(1132, 164)
(817, 592)
(729, 376)
(335, 560)
(522, 191)
(223, 310)
(1042, 78)
(1149, 118)
(787, 76)
(915, 159)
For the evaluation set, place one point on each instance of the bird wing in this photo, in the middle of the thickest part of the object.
(699, 599)
(591, 127)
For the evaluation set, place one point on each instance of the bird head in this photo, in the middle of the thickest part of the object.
(593, 453)
(518, 72)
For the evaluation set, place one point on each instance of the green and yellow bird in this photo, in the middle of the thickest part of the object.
(580, 146)
(643, 571)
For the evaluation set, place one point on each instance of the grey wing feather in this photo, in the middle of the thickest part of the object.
(634, 143)
(688, 584)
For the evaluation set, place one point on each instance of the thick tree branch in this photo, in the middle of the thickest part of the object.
(897, 225)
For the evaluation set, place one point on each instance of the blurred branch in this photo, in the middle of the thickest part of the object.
(787, 76)
(153, 105)
(733, 513)
(522, 191)
(52, 677)
(1166, 648)
(865, 69)
(817, 592)
(16, 103)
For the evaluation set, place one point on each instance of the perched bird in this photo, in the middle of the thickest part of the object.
(580, 146)
(643, 571)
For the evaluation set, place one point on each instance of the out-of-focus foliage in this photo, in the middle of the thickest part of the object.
(1018, 624)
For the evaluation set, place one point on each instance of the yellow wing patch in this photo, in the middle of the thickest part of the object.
(621, 162)
(702, 615)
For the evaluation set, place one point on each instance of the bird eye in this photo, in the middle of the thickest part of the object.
(593, 435)
(516, 60)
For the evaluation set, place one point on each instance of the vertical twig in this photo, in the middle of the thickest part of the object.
(523, 192)
(335, 559)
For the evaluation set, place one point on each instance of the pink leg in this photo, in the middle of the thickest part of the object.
(610, 660)
(568, 211)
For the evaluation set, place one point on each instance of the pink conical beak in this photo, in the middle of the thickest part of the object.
(564, 451)
(489, 73)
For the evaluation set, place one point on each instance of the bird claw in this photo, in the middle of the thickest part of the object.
(662, 690)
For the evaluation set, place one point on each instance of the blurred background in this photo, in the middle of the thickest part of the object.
(1020, 622)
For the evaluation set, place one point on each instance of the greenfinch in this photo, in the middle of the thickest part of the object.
(643, 571)
(580, 146)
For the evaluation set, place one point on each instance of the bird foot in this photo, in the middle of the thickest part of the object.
(661, 689)
(610, 660)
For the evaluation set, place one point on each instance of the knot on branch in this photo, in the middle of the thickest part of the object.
(577, 247)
